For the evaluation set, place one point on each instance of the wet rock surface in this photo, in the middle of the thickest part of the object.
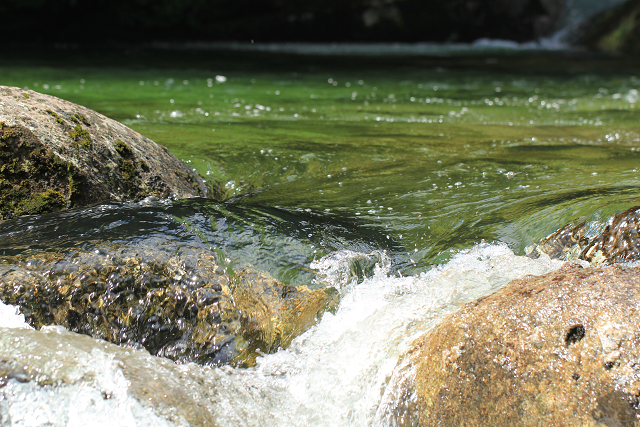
(55, 155)
(109, 374)
(558, 349)
(188, 306)
(618, 242)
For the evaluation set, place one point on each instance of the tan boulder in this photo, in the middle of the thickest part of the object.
(562, 349)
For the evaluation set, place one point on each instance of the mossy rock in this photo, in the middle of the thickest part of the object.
(565, 244)
(56, 155)
(188, 307)
(618, 242)
(33, 179)
(616, 30)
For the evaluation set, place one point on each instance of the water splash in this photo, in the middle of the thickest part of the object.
(335, 374)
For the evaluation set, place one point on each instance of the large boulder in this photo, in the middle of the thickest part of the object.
(55, 154)
(182, 303)
(558, 349)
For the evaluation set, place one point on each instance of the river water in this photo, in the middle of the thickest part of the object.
(438, 168)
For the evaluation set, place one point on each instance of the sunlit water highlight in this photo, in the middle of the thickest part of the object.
(334, 374)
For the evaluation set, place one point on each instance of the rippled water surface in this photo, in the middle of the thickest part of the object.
(415, 158)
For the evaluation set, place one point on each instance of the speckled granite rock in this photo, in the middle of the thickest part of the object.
(562, 349)
(55, 155)
(188, 306)
(618, 242)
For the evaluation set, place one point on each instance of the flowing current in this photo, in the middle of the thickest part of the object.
(334, 374)
(410, 179)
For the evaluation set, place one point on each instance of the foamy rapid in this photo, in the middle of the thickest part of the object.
(335, 374)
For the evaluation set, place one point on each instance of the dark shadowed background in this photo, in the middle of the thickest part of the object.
(81, 21)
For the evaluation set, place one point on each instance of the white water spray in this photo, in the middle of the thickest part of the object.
(334, 374)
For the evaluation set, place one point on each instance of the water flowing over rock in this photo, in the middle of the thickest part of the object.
(189, 307)
(55, 155)
(558, 349)
(105, 380)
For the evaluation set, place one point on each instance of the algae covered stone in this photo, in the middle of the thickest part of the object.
(56, 155)
(562, 349)
(618, 242)
(188, 306)
(566, 244)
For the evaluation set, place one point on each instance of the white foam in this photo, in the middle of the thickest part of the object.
(335, 373)
(69, 383)
(10, 317)
(100, 401)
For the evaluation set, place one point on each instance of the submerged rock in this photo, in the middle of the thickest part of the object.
(618, 242)
(558, 349)
(55, 154)
(188, 306)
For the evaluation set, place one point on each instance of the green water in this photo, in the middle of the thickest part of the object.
(420, 156)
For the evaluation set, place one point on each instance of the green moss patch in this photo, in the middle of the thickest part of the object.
(8, 133)
(123, 149)
(56, 116)
(33, 179)
(79, 118)
(81, 136)
(38, 203)
(129, 170)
